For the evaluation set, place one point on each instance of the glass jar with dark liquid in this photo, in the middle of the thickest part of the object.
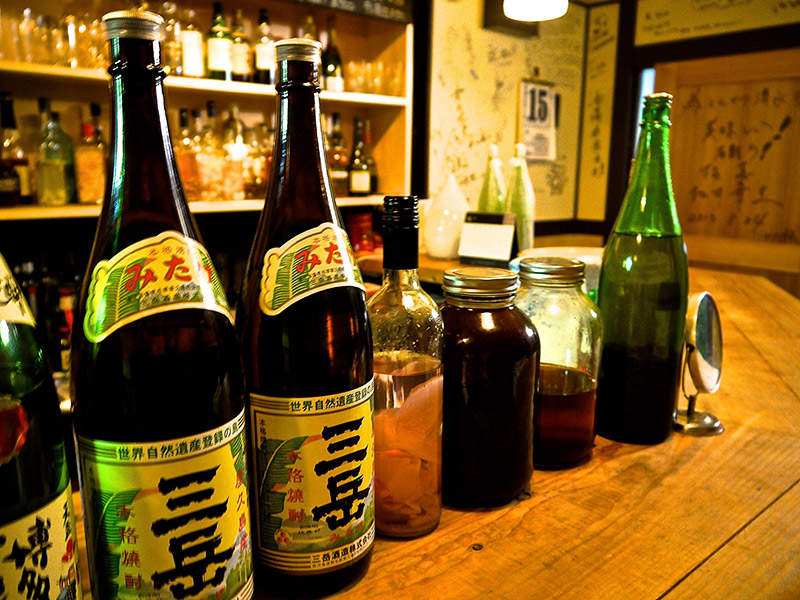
(570, 331)
(490, 360)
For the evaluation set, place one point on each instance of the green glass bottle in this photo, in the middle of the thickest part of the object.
(642, 295)
(36, 514)
(219, 45)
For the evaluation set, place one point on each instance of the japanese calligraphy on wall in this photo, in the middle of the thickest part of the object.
(598, 104)
(658, 21)
(734, 159)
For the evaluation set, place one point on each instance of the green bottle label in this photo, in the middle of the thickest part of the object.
(314, 470)
(158, 274)
(13, 307)
(169, 520)
(316, 260)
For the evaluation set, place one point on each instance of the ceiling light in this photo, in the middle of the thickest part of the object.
(534, 10)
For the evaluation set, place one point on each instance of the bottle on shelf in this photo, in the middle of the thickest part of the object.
(211, 157)
(310, 28)
(332, 68)
(305, 334)
(90, 167)
(186, 158)
(219, 47)
(338, 159)
(372, 165)
(156, 369)
(193, 51)
(407, 334)
(236, 149)
(55, 169)
(12, 150)
(36, 513)
(359, 181)
(9, 183)
(643, 294)
(173, 50)
(242, 52)
(520, 199)
(99, 137)
(264, 50)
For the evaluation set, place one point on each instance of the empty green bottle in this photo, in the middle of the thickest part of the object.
(642, 295)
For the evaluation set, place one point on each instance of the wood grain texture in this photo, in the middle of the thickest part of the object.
(689, 518)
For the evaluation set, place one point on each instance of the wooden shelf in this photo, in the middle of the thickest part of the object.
(97, 76)
(74, 211)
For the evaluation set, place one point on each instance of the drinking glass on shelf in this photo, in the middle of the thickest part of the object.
(355, 76)
(69, 33)
(393, 80)
(376, 77)
(27, 36)
(9, 36)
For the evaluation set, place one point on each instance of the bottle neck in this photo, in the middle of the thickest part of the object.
(402, 278)
(649, 205)
(299, 146)
(143, 171)
(400, 248)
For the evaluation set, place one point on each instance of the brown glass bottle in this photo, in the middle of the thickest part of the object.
(305, 336)
(490, 361)
(157, 380)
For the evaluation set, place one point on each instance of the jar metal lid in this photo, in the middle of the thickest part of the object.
(480, 282)
(551, 269)
(298, 49)
(139, 24)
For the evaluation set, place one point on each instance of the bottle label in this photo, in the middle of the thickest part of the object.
(39, 553)
(169, 519)
(360, 182)
(265, 56)
(24, 172)
(316, 260)
(158, 274)
(13, 307)
(240, 59)
(220, 54)
(192, 46)
(314, 462)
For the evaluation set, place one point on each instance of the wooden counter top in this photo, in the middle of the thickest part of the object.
(689, 518)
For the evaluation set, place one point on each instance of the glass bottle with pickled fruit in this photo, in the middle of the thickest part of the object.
(306, 339)
(407, 349)
(157, 381)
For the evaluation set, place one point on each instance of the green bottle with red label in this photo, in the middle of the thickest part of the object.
(304, 329)
(157, 380)
(38, 534)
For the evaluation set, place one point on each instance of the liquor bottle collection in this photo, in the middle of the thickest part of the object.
(221, 455)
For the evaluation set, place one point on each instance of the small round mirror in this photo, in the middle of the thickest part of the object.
(704, 363)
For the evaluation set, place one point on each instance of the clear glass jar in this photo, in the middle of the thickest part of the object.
(490, 359)
(570, 332)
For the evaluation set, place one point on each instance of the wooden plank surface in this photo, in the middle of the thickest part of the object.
(689, 518)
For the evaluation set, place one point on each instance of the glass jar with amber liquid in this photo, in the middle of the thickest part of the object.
(490, 362)
(570, 332)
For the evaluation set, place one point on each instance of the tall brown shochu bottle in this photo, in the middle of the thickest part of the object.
(157, 375)
(307, 347)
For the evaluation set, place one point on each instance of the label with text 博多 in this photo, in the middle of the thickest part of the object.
(316, 260)
(169, 519)
(167, 272)
(313, 466)
(39, 553)
(13, 307)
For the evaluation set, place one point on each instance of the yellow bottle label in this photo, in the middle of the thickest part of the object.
(13, 307)
(39, 553)
(158, 274)
(316, 260)
(169, 520)
(314, 465)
